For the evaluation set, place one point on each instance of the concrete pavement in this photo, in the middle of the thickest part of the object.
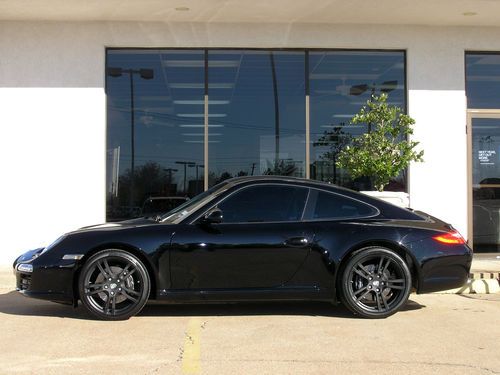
(435, 333)
(448, 334)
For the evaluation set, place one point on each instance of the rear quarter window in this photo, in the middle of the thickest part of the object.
(327, 205)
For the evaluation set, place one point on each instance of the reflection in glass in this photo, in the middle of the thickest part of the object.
(256, 114)
(151, 151)
(486, 184)
(340, 84)
(256, 117)
(483, 80)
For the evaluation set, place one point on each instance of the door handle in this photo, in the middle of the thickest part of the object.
(297, 242)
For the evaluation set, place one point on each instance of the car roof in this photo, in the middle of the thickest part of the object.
(271, 178)
(154, 198)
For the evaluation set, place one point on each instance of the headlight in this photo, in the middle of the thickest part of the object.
(52, 244)
(25, 268)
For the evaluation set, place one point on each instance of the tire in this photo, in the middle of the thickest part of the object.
(113, 285)
(375, 283)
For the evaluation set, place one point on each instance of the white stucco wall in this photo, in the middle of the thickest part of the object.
(52, 110)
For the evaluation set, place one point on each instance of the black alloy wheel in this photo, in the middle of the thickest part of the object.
(114, 285)
(376, 282)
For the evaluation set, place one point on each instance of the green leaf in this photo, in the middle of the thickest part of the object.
(385, 151)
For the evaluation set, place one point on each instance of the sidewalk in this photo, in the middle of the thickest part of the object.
(486, 263)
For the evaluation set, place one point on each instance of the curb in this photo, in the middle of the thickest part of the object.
(478, 283)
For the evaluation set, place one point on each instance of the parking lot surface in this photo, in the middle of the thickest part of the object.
(436, 333)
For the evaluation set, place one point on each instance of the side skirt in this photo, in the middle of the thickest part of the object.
(250, 294)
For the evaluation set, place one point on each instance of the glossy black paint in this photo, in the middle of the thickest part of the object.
(195, 261)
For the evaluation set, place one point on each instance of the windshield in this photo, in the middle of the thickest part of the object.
(192, 205)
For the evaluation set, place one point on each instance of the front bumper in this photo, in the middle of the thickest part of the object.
(49, 279)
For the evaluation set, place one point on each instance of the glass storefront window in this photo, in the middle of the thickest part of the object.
(150, 150)
(255, 118)
(486, 184)
(256, 114)
(340, 84)
(482, 81)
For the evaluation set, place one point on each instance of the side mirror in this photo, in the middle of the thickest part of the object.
(214, 216)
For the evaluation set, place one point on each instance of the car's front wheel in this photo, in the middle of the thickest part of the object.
(113, 285)
(375, 282)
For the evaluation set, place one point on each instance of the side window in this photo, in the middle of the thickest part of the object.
(334, 206)
(265, 203)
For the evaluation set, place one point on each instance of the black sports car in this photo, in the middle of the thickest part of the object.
(249, 239)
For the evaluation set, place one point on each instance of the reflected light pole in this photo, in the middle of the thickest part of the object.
(276, 113)
(144, 74)
(170, 172)
(197, 181)
(185, 164)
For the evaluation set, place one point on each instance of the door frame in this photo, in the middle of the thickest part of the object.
(472, 114)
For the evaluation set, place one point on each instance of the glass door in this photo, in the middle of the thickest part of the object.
(484, 180)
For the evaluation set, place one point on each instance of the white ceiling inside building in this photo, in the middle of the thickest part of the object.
(396, 12)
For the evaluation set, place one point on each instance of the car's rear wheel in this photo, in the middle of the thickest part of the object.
(114, 285)
(375, 282)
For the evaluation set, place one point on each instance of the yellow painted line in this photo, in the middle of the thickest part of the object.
(191, 354)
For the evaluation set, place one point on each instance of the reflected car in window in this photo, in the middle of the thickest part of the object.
(253, 239)
(154, 206)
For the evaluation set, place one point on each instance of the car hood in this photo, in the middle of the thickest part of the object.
(120, 224)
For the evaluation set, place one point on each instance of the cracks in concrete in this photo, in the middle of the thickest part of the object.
(180, 356)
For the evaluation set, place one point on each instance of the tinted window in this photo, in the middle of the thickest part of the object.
(333, 206)
(265, 203)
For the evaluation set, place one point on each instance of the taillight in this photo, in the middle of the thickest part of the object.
(450, 238)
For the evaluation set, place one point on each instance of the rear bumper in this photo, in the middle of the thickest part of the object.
(444, 273)
(441, 267)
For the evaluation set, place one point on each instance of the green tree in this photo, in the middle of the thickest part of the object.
(385, 150)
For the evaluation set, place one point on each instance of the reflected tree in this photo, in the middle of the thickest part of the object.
(149, 180)
(214, 179)
(281, 167)
(224, 176)
(335, 140)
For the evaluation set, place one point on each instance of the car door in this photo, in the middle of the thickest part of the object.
(261, 242)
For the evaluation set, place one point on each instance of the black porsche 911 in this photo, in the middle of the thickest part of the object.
(253, 239)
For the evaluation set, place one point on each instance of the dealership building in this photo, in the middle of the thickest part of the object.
(105, 105)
